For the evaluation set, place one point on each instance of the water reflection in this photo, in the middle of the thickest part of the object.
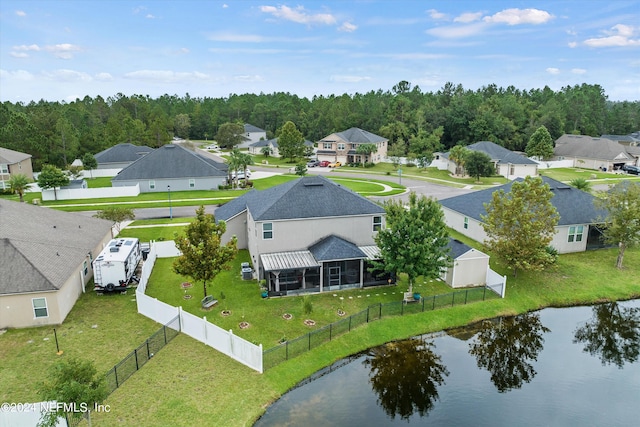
(506, 347)
(405, 375)
(612, 334)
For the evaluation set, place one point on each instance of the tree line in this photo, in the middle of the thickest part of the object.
(414, 121)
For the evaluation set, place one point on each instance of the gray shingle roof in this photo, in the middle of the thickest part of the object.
(252, 128)
(40, 248)
(574, 206)
(500, 154)
(590, 148)
(11, 157)
(122, 153)
(172, 161)
(358, 135)
(333, 248)
(307, 197)
(457, 248)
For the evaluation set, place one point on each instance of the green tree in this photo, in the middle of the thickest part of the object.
(229, 135)
(365, 151)
(479, 164)
(520, 225)
(89, 162)
(244, 161)
(290, 141)
(266, 150)
(72, 381)
(395, 152)
(540, 144)
(415, 240)
(458, 155)
(581, 184)
(424, 144)
(203, 254)
(182, 125)
(52, 177)
(622, 221)
(116, 214)
(19, 183)
(301, 169)
(74, 172)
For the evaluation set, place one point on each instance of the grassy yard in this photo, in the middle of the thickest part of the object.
(594, 176)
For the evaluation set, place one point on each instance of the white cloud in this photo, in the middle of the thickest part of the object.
(573, 44)
(166, 76)
(619, 35)
(19, 55)
(63, 75)
(578, 70)
(239, 38)
(150, 16)
(104, 77)
(520, 16)
(224, 6)
(434, 14)
(248, 78)
(21, 13)
(465, 18)
(349, 79)
(16, 75)
(63, 50)
(348, 27)
(457, 31)
(552, 70)
(24, 47)
(299, 15)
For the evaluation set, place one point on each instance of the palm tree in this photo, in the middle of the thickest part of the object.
(19, 184)
(266, 150)
(458, 155)
(244, 160)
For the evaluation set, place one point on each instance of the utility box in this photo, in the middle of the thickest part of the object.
(247, 273)
(116, 265)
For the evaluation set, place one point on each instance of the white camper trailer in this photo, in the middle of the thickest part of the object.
(114, 268)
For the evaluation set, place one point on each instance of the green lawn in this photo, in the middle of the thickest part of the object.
(594, 176)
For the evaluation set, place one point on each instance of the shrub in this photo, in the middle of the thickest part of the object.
(307, 305)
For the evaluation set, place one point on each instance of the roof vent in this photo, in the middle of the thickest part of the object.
(114, 249)
(170, 146)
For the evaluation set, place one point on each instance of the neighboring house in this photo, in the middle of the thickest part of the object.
(469, 266)
(13, 163)
(342, 146)
(594, 153)
(172, 167)
(252, 134)
(507, 163)
(45, 262)
(629, 140)
(120, 156)
(307, 235)
(256, 147)
(576, 229)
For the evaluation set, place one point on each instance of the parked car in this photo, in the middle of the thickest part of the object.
(324, 163)
(630, 169)
(313, 163)
(334, 164)
(241, 174)
(212, 147)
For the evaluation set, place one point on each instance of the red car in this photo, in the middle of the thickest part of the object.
(324, 163)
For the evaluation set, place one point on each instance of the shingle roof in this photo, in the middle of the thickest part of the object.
(172, 161)
(252, 128)
(122, 153)
(457, 248)
(307, 197)
(11, 157)
(574, 206)
(333, 248)
(500, 154)
(40, 248)
(358, 135)
(590, 148)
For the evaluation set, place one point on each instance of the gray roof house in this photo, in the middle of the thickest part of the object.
(342, 146)
(121, 155)
(307, 235)
(256, 147)
(595, 153)
(12, 163)
(252, 134)
(509, 164)
(172, 167)
(45, 263)
(575, 229)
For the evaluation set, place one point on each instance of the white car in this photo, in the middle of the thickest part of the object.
(241, 174)
(212, 147)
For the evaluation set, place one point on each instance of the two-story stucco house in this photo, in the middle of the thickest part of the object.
(307, 235)
(13, 163)
(343, 146)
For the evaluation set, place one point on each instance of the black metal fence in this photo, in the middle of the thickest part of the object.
(141, 355)
(290, 349)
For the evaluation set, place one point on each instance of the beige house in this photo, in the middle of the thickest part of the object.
(507, 163)
(13, 163)
(307, 235)
(595, 153)
(342, 147)
(45, 262)
(469, 266)
(576, 229)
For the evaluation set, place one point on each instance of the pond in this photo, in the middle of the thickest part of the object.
(559, 367)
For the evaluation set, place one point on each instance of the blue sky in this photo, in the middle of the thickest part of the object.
(63, 50)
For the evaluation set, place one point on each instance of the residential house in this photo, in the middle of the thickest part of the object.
(342, 147)
(307, 235)
(576, 229)
(13, 163)
(120, 156)
(630, 140)
(252, 134)
(172, 168)
(509, 164)
(469, 266)
(256, 147)
(595, 153)
(45, 262)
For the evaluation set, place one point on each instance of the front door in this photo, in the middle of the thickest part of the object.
(334, 276)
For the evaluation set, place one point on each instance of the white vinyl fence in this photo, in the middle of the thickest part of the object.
(90, 193)
(226, 342)
(496, 282)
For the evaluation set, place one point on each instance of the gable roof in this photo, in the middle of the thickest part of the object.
(252, 128)
(11, 157)
(122, 153)
(333, 248)
(307, 197)
(590, 148)
(457, 248)
(574, 206)
(500, 154)
(46, 249)
(172, 161)
(357, 135)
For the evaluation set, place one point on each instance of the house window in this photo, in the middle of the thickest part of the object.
(354, 146)
(327, 145)
(377, 223)
(192, 183)
(267, 230)
(4, 169)
(152, 185)
(512, 170)
(341, 146)
(575, 233)
(40, 307)
(466, 223)
(85, 267)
